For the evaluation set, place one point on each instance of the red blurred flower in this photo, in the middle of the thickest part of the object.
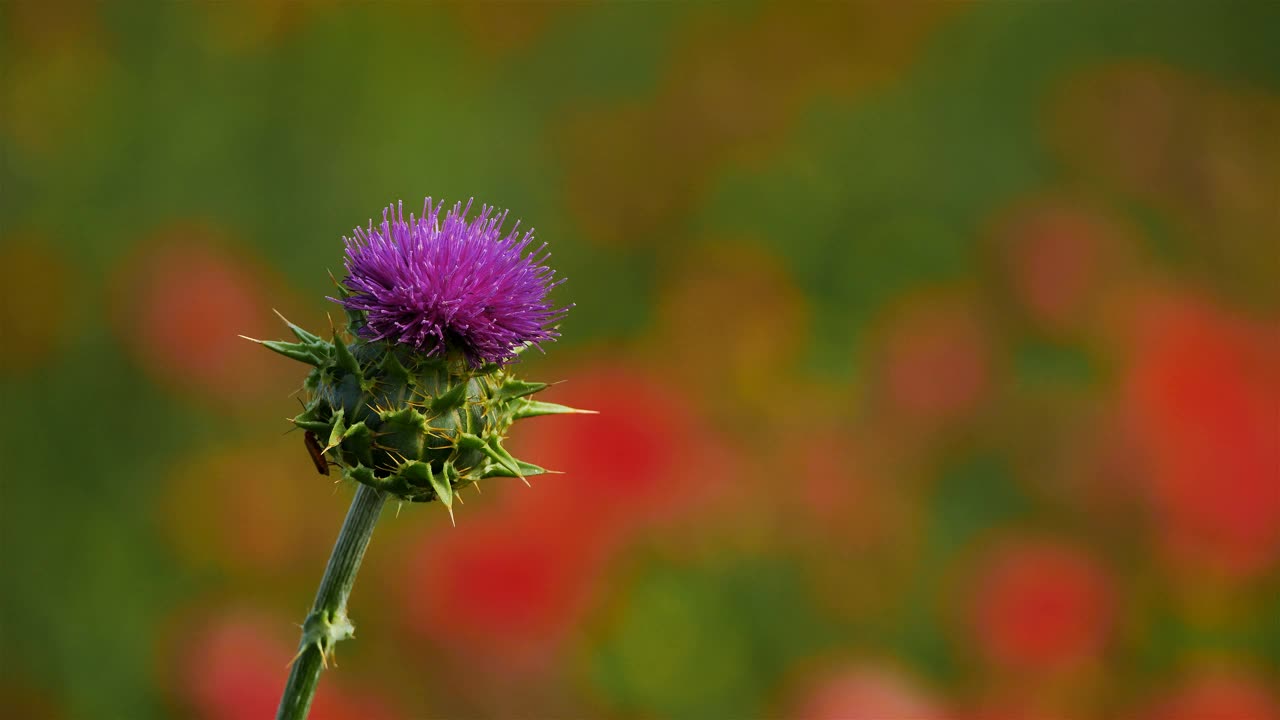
(511, 582)
(1012, 710)
(642, 459)
(182, 300)
(840, 492)
(865, 692)
(936, 361)
(1203, 394)
(1041, 606)
(505, 585)
(233, 666)
(1218, 696)
(1056, 251)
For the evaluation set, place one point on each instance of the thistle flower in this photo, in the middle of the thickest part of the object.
(413, 402)
(434, 285)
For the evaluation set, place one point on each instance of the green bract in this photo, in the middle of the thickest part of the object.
(416, 427)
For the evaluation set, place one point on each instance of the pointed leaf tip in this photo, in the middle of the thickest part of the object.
(294, 351)
(452, 398)
(528, 469)
(499, 454)
(301, 334)
(338, 428)
(520, 470)
(344, 358)
(513, 389)
(393, 368)
(342, 289)
(535, 408)
(444, 490)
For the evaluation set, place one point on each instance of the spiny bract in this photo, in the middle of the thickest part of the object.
(414, 426)
(419, 401)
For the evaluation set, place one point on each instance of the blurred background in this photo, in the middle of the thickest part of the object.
(935, 346)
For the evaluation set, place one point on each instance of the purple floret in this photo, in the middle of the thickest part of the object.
(455, 284)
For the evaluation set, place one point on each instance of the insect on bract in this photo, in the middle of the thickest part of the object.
(316, 452)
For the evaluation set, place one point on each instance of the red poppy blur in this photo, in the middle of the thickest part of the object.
(181, 303)
(840, 492)
(865, 692)
(1218, 696)
(505, 585)
(1041, 606)
(1056, 251)
(511, 582)
(1202, 388)
(832, 485)
(233, 666)
(936, 361)
(1008, 710)
(639, 460)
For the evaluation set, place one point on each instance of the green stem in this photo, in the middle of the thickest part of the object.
(328, 622)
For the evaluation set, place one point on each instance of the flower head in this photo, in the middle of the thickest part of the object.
(437, 284)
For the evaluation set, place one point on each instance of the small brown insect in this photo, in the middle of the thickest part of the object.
(316, 452)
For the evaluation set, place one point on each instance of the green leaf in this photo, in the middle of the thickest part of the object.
(416, 473)
(339, 427)
(343, 357)
(452, 398)
(393, 369)
(444, 491)
(294, 351)
(358, 440)
(403, 431)
(526, 470)
(468, 441)
(355, 318)
(534, 408)
(360, 474)
(303, 335)
(499, 454)
(512, 389)
(305, 421)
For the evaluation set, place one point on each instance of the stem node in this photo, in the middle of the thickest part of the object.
(328, 623)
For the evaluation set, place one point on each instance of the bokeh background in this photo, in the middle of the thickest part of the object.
(935, 347)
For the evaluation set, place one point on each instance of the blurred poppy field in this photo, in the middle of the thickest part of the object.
(936, 348)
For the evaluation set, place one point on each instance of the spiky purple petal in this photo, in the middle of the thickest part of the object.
(461, 284)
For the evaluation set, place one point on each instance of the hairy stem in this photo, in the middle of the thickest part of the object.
(328, 622)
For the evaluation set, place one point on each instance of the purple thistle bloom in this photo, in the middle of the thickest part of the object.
(437, 286)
